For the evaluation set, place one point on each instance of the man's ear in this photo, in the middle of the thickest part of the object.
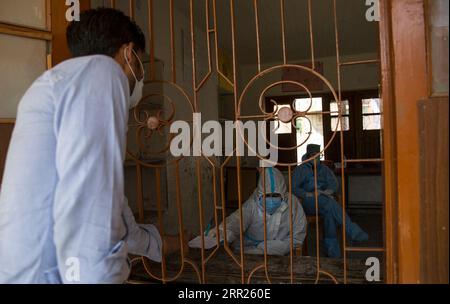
(129, 51)
(125, 50)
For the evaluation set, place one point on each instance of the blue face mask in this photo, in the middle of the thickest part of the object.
(272, 204)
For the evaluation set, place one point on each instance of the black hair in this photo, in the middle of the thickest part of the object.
(103, 31)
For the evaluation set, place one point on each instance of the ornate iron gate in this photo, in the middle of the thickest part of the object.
(153, 119)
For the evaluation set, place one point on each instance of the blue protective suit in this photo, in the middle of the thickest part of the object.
(303, 185)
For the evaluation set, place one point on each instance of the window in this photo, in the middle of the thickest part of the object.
(311, 126)
(334, 113)
(361, 112)
(371, 114)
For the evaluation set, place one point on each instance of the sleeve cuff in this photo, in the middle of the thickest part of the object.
(154, 249)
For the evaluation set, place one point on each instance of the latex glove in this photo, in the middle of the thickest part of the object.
(213, 233)
(254, 250)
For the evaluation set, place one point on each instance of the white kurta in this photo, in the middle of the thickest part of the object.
(62, 206)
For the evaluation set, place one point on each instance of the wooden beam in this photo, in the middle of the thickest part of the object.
(6, 129)
(48, 15)
(23, 31)
(7, 121)
(410, 78)
(389, 144)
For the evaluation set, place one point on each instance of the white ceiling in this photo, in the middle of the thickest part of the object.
(357, 36)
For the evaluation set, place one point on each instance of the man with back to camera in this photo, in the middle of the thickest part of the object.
(62, 198)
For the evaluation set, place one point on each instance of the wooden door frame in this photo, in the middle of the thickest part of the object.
(389, 143)
(405, 81)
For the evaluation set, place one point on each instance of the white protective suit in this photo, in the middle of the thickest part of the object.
(63, 216)
(278, 233)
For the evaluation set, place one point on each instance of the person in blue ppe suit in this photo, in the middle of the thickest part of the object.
(277, 218)
(63, 214)
(303, 183)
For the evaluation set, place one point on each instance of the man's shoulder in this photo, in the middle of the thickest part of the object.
(88, 65)
(99, 61)
(87, 60)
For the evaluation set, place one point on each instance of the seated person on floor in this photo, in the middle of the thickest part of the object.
(277, 218)
(303, 187)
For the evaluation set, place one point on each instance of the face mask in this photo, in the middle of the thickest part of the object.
(136, 96)
(272, 204)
